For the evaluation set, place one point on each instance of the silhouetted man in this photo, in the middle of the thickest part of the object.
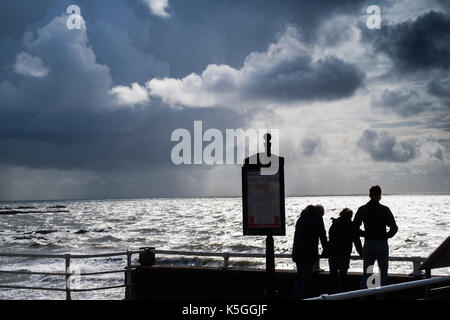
(375, 218)
(308, 230)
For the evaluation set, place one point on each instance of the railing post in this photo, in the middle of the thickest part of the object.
(128, 278)
(226, 258)
(68, 274)
(416, 266)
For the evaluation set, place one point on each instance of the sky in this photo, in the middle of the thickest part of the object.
(89, 112)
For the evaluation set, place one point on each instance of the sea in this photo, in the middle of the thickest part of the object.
(195, 224)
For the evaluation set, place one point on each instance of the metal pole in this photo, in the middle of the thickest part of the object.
(270, 268)
(383, 289)
(128, 279)
(68, 274)
(427, 288)
(226, 258)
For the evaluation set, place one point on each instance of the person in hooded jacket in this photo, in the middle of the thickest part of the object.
(342, 235)
(308, 230)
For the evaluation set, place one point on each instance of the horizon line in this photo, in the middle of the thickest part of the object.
(221, 196)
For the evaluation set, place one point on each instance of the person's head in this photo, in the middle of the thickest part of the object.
(309, 210)
(320, 210)
(346, 214)
(375, 193)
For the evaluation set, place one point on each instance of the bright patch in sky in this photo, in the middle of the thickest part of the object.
(29, 66)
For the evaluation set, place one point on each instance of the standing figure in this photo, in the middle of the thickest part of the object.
(308, 230)
(342, 235)
(376, 218)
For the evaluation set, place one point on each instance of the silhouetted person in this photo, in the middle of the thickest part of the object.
(308, 230)
(342, 235)
(376, 218)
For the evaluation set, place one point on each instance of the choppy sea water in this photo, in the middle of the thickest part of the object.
(203, 224)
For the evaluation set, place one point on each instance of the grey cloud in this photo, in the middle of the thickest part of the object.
(396, 124)
(284, 72)
(335, 32)
(445, 4)
(122, 39)
(384, 147)
(441, 91)
(128, 62)
(439, 154)
(311, 145)
(326, 79)
(75, 80)
(414, 46)
(440, 121)
(433, 148)
(381, 146)
(402, 102)
(437, 89)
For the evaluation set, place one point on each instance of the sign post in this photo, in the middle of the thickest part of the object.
(263, 204)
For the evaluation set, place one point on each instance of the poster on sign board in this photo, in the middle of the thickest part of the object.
(263, 202)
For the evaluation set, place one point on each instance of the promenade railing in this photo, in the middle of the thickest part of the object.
(416, 261)
(68, 273)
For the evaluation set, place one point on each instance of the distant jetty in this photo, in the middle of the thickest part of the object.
(30, 209)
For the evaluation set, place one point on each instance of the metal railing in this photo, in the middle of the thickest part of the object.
(416, 261)
(384, 289)
(69, 257)
(68, 273)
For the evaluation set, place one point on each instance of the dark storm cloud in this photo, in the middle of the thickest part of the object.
(121, 35)
(203, 32)
(17, 17)
(402, 102)
(381, 146)
(120, 39)
(283, 72)
(57, 110)
(197, 33)
(63, 134)
(326, 79)
(66, 118)
(121, 140)
(413, 46)
(137, 46)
